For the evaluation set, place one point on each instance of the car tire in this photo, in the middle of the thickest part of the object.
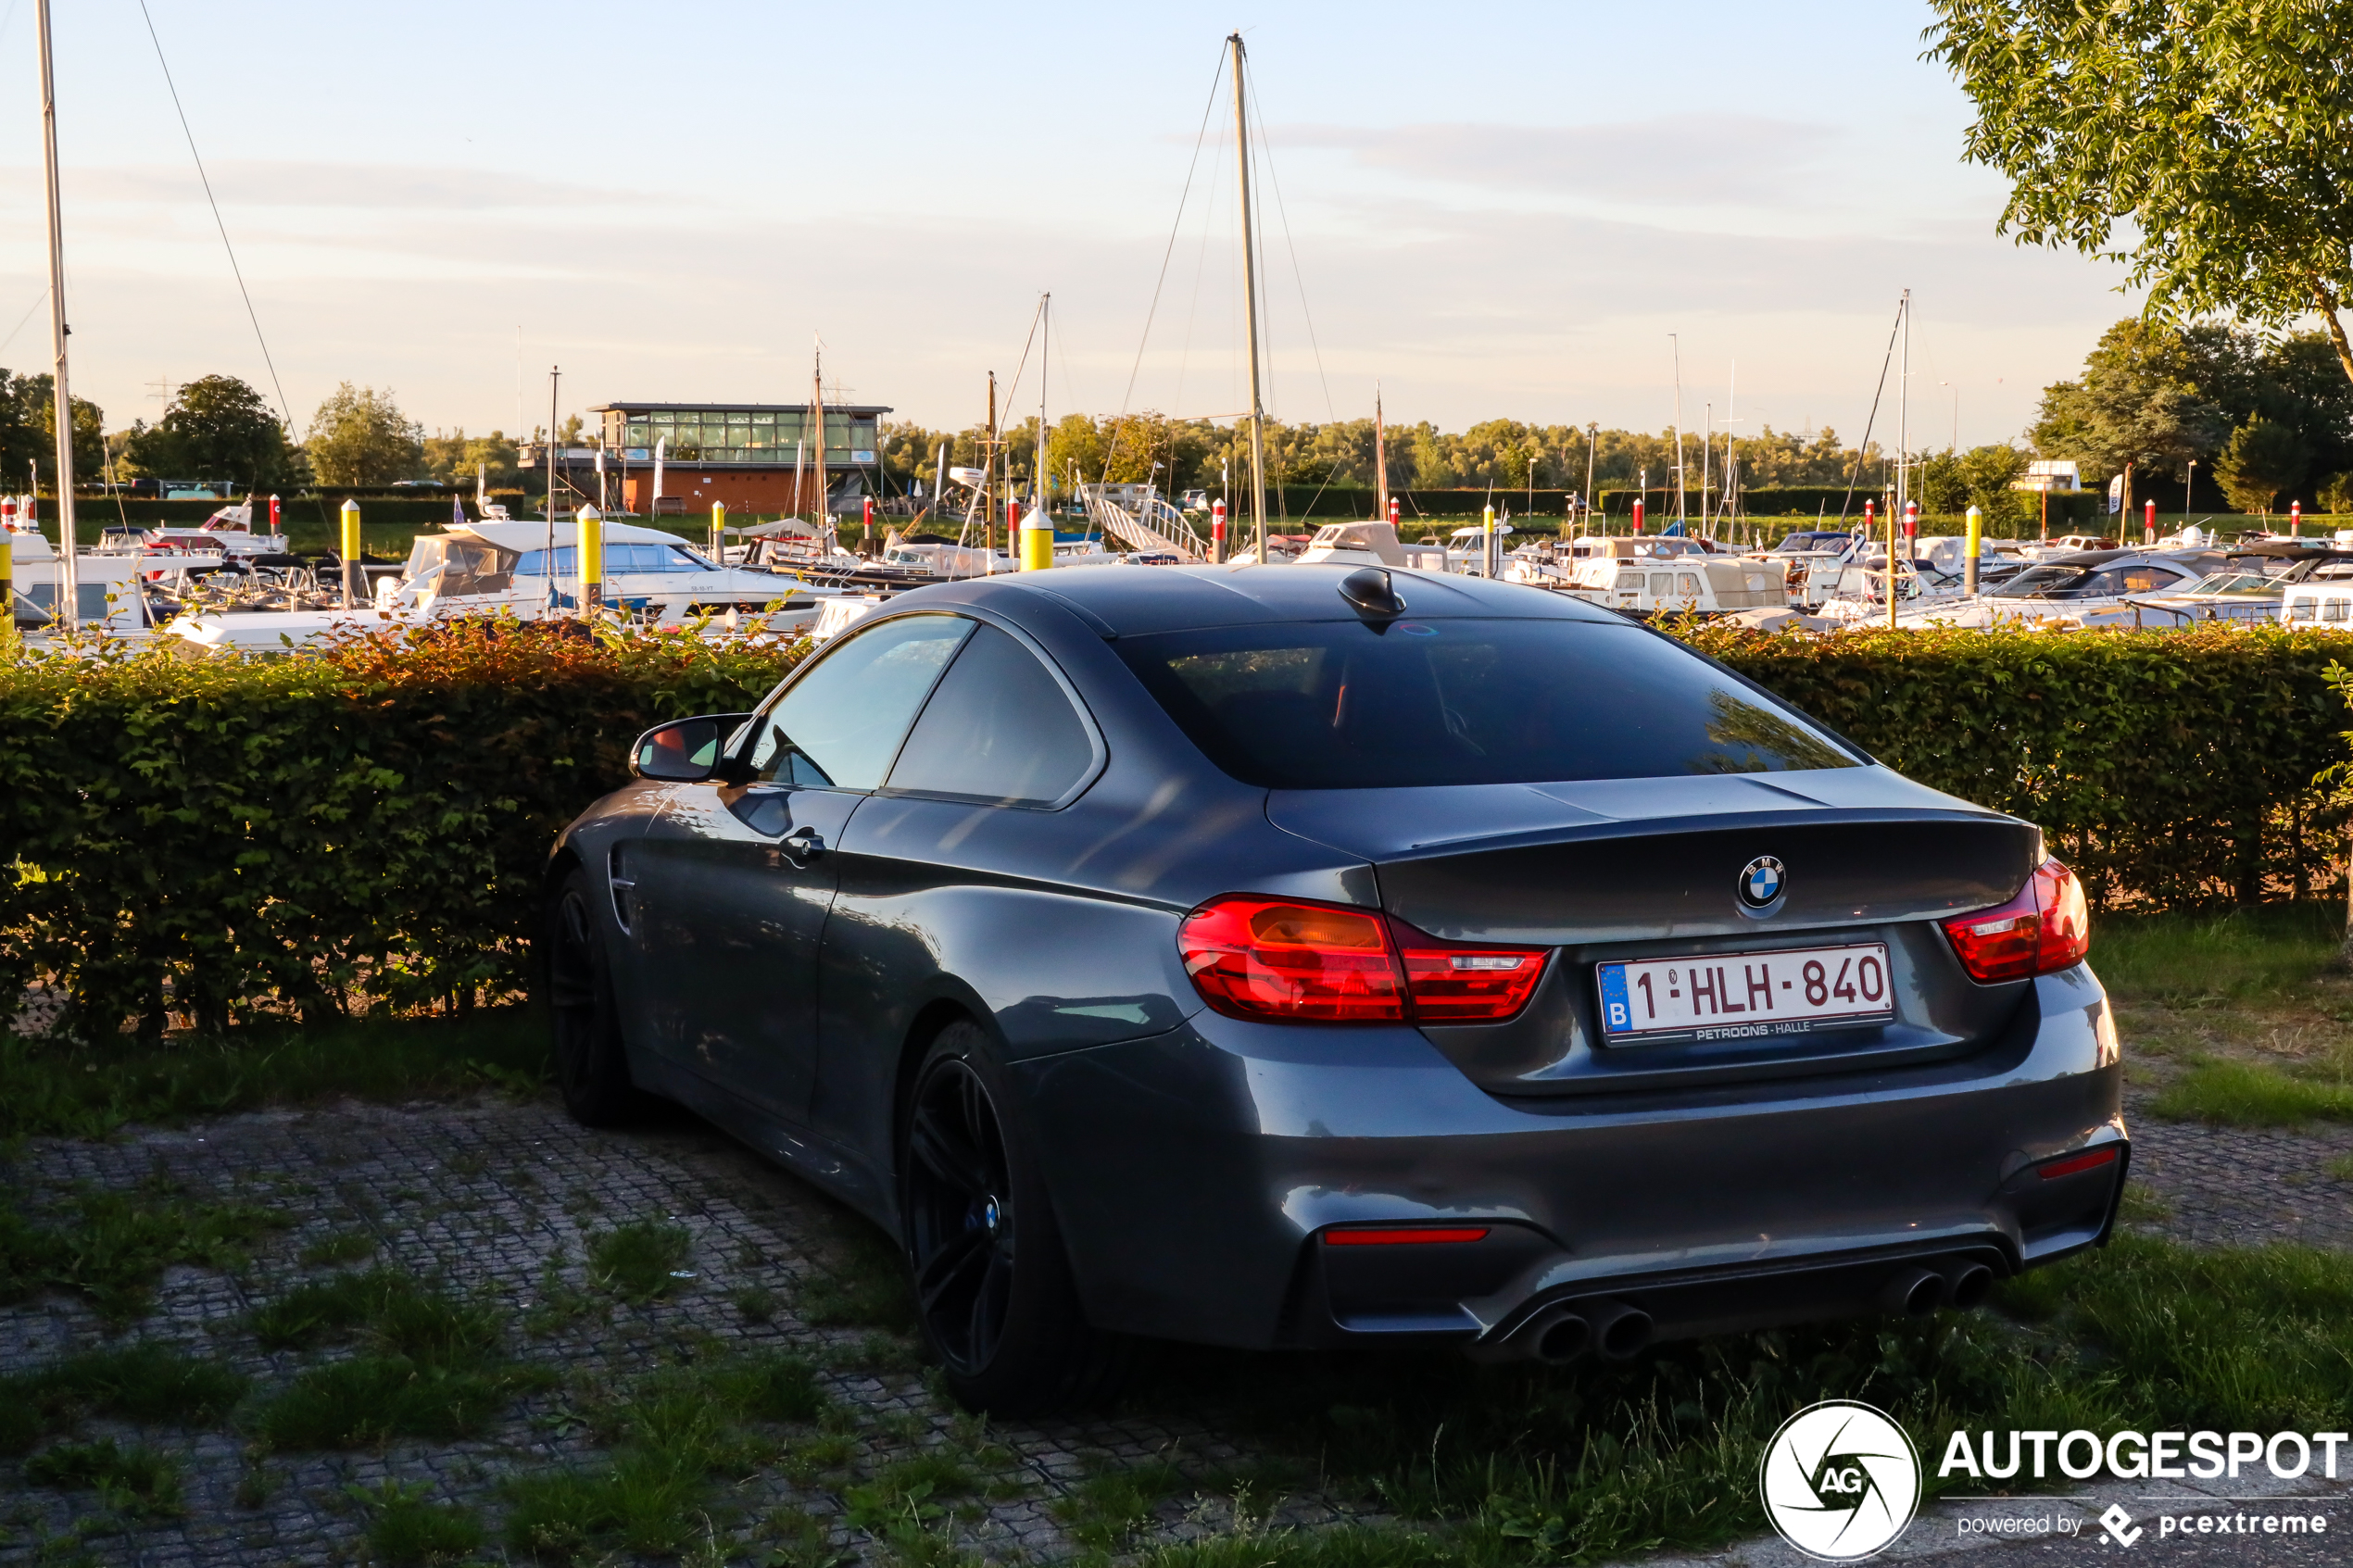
(592, 1068)
(992, 1283)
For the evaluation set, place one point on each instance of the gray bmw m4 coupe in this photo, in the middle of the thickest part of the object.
(1294, 957)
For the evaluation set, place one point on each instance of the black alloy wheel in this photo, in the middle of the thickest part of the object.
(993, 1289)
(592, 1069)
(960, 1195)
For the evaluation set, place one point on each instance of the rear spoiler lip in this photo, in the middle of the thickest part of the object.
(1648, 827)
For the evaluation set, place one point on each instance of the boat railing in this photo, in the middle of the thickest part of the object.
(1148, 523)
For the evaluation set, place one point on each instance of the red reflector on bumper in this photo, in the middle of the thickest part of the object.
(1404, 1237)
(2069, 1167)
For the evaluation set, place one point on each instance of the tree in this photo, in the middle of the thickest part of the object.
(360, 436)
(458, 458)
(2262, 459)
(1952, 483)
(2214, 132)
(28, 433)
(2139, 401)
(216, 427)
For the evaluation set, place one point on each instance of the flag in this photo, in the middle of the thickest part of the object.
(457, 512)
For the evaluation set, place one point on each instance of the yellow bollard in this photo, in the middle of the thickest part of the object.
(719, 532)
(1976, 539)
(7, 592)
(591, 554)
(1486, 541)
(351, 574)
(1037, 541)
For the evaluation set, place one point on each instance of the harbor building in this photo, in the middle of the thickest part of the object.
(744, 454)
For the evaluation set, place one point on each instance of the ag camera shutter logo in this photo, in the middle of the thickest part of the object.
(1840, 1481)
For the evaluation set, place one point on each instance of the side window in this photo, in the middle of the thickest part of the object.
(840, 724)
(998, 729)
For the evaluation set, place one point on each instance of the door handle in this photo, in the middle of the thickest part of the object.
(802, 846)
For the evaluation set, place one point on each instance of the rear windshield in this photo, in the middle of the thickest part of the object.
(1346, 705)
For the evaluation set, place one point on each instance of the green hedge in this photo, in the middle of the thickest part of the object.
(2169, 768)
(313, 834)
(218, 837)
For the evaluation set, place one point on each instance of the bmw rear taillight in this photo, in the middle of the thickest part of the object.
(1293, 962)
(1465, 984)
(2046, 927)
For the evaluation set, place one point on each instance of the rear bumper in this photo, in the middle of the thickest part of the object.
(1195, 1173)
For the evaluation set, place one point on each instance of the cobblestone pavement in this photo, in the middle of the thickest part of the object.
(503, 1198)
(2240, 1186)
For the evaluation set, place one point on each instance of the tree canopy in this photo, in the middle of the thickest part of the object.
(28, 433)
(2206, 144)
(2160, 397)
(216, 427)
(360, 436)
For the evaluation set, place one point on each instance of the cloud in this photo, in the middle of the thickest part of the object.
(1691, 160)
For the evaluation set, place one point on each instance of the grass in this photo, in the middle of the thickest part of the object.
(147, 1383)
(406, 1529)
(2243, 1017)
(401, 1314)
(432, 1364)
(640, 1260)
(673, 1435)
(867, 1288)
(69, 1090)
(1519, 1464)
(1104, 1511)
(112, 1247)
(136, 1481)
(2264, 952)
(2247, 1094)
(342, 1246)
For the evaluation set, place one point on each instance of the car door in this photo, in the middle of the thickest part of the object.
(957, 845)
(732, 885)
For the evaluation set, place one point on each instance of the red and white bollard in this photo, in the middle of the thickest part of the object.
(1395, 511)
(1911, 524)
(1638, 514)
(273, 514)
(2296, 520)
(7, 513)
(2148, 523)
(1217, 529)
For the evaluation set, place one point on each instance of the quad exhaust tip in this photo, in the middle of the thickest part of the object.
(1616, 1330)
(1913, 1292)
(1962, 1282)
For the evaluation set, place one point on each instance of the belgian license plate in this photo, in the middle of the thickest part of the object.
(1742, 995)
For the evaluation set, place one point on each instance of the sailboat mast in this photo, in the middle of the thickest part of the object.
(1903, 454)
(1380, 458)
(1045, 341)
(68, 600)
(817, 412)
(1250, 312)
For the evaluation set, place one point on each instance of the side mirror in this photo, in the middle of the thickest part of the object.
(685, 750)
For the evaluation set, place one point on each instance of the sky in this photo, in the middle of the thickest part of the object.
(1539, 211)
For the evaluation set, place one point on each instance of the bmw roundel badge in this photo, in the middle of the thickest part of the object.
(1761, 882)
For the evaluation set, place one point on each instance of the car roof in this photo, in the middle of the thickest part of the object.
(1132, 600)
